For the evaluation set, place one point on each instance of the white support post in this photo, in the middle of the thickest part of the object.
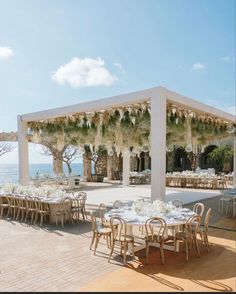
(126, 165)
(23, 155)
(234, 168)
(158, 146)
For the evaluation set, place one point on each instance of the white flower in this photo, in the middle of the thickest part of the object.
(155, 208)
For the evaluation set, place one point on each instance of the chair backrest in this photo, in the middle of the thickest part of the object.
(192, 224)
(38, 204)
(117, 204)
(81, 200)
(102, 211)
(207, 219)
(119, 228)
(83, 194)
(177, 203)
(11, 200)
(198, 208)
(96, 224)
(155, 228)
(19, 201)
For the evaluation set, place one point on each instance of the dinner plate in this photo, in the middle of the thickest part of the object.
(185, 209)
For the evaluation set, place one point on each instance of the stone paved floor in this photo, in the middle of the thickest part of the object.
(55, 259)
(49, 259)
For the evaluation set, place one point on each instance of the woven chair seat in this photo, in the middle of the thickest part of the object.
(104, 231)
(155, 238)
(128, 238)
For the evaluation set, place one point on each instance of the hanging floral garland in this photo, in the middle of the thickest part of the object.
(130, 126)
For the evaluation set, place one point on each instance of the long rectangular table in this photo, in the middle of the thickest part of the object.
(54, 204)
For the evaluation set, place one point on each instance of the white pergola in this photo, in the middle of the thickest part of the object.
(158, 97)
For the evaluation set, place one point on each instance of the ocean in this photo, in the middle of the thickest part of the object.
(9, 173)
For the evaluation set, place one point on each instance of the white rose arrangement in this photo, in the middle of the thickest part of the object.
(32, 191)
(154, 208)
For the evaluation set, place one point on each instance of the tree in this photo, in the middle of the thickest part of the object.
(5, 148)
(70, 154)
(96, 156)
(49, 149)
(222, 157)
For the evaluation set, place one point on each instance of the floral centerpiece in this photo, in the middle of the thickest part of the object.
(154, 208)
(32, 191)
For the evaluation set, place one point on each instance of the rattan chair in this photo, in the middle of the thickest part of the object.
(203, 232)
(3, 206)
(102, 210)
(155, 228)
(99, 231)
(11, 201)
(119, 235)
(199, 208)
(81, 205)
(31, 208)
(21, 207)
(188, 234)
(64, 211)
(75, 208)
(43, 210)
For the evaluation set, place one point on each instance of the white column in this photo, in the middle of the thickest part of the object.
(126, 164)
(234, 168)
(23, 155)
(158, 146)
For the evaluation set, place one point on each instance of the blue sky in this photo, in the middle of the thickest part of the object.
(59, 52)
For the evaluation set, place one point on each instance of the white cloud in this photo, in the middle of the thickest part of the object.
(118, 65)
(227, 59)
(83, 73)
(5, 53)
(198, 66)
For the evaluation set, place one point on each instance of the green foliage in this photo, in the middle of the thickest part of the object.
(220, 156)
(132, 130)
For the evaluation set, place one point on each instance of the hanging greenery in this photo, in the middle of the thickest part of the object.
(130, 126)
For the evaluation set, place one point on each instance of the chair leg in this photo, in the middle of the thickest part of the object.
(196, 244)
(133, 250)
(162, 252)
(121, 246)
(175, 245)
(92, 241)
(206, 242)
(32, 217)
(125, 248)
(62, 220)
(26, 215)
(36, 218)
(18, 213)
(96, 244)
(190, 243)
(8, 211)
(22, 215)
(147, 252)
(112, 249)
(41, 219)
(186, 249)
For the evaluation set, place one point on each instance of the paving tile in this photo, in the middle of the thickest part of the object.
(45, 259)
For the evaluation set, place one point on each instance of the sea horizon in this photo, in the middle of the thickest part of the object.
(9, 172)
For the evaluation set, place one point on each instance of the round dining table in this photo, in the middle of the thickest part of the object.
(174, 220)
